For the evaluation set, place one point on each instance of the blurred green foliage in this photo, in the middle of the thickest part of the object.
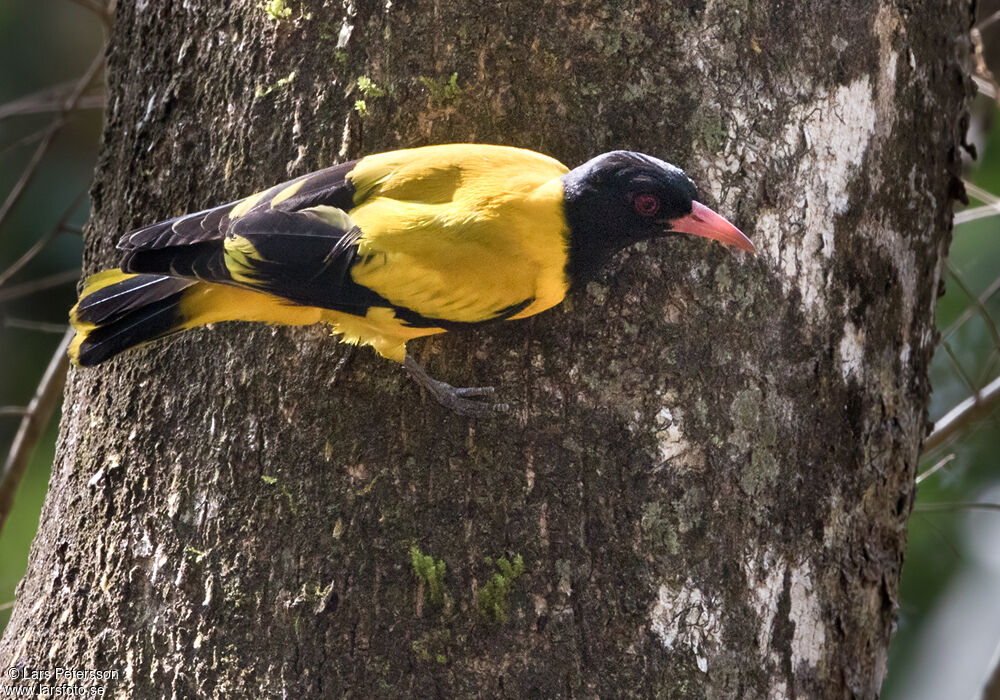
(937, 551)
(41, 44)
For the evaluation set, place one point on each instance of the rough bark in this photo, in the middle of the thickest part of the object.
(709, 464)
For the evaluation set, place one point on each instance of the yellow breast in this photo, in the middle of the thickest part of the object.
(462, 232)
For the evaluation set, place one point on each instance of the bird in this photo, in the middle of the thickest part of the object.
(392, 247)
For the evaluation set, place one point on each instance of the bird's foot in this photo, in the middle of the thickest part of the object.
(465, 401)
(469, 400)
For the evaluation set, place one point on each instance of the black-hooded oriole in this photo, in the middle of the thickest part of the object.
(392, 247)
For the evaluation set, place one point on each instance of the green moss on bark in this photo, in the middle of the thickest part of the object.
(492, 597)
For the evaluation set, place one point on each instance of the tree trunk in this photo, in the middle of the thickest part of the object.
(703, 485)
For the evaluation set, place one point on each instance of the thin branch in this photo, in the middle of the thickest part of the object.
(976, 406)
(958, 365)
(43, 241)
(991, 201)
(41, 326)
(103, 13)
(976, 213)
(13, 410)
(987, 21)
(955, 505)
(980, 306)
(43, 404)
(29, 255)
(979, 193)
(984, 86)
(991, 362)
(7, 606)
(982, 70)
(52, 99)
(22, 290)
(25, 140)
(926, 474)
(29, 172)
(941, 535)
(971, 310)
(991, 684)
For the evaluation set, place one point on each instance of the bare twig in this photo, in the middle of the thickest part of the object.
(25, 140)
(40, 409)
(976, 406)
(980, 194)
(970, 310)
(955, 505)
(7, 606)
(987, 21)
(22, 290)
(992, 202)
(976, 213)
(28, 255)
(984, 86)
(13, 410)
(52, 99)
(40, 326)
(43, 241)
(991, 362)
(104, 13)
(958, 366)
(926, 474)
(980, 306)
(991, 685)
(29, 172)
(982, 69)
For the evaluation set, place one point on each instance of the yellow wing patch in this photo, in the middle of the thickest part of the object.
(240, 256)
(287, 192)
(338, 218)
(247, 204)
(103, 279)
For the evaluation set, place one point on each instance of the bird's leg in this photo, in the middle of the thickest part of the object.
(459, 400)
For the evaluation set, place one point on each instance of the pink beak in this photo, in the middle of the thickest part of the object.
(704, 222)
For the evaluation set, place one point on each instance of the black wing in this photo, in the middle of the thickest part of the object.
(302, 256)
(327, 187)
(294, 240)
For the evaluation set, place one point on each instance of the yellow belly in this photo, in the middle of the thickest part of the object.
(462, 232)
(213, 303)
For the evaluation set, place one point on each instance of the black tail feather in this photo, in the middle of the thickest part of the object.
(154, 320)
(113, 302)
(118, 311)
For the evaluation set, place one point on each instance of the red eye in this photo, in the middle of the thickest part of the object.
(646, 204)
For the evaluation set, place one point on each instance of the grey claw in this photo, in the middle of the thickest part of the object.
(462, 401)
(468, 391)
(455, 402)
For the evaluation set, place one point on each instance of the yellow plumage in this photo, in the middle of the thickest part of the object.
(392, 247)
(458, 232)
(488, 232)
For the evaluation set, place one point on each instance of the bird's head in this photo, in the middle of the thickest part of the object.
(622, 197)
